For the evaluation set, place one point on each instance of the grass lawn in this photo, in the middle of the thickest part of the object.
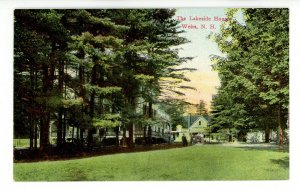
(207, 162)
(21, 143)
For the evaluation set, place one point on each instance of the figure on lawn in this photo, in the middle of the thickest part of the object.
(184, 140)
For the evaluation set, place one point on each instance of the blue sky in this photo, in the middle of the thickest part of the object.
(200, 46)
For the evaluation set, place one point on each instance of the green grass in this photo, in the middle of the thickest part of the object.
(208, 162)
(24, 143)
(21, 143)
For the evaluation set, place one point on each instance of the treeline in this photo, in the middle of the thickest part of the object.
(88, 69)
(254, 72)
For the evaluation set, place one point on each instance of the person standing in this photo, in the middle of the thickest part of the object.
(184, 140)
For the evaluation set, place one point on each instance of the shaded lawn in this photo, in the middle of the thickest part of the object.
(23, 143)
(208, 162)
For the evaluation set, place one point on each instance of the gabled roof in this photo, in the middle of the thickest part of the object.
(192, 118)
(199, 118)
(207, 118)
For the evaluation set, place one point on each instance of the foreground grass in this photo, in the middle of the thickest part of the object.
(192, 163)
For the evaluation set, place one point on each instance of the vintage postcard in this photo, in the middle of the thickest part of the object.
(178, 94)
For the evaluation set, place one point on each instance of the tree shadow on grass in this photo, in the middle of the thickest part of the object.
(78, 175)
(284, 149)
(284, 162)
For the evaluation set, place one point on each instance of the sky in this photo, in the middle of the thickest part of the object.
(204, 79)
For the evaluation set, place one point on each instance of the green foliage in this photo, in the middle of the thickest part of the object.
(201, 108)
(107, 120)
(175, 109)
(144, 78)
(102, 91)
(73, 102)
(88, 65)
(254, 69)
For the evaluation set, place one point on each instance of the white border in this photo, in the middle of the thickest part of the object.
(6, 95)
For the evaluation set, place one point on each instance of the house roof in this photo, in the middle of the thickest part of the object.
(192, 118)
(207, 118)
(199, 118)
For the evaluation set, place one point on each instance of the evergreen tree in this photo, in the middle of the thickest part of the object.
(201, 108)
(88, 69)
(254, 71)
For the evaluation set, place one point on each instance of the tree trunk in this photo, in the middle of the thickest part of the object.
(117, 136)
(144, 134)
(81, 80)
(44, 132)
(267, 134)
(150, 115)
(32, 106)
(130, 131)
(52, 66)
(60, 91)
(35, 135)
(81, 94)
(90, 138)
(45, 116)
(92, 105)
(73, 134)
(31, 137)
(150, 110)
(150, 134)
(35, 119)
(59, 128)
(64, 128)
(280, 138)
(48, 78)
(124, 143)
(81, 138)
